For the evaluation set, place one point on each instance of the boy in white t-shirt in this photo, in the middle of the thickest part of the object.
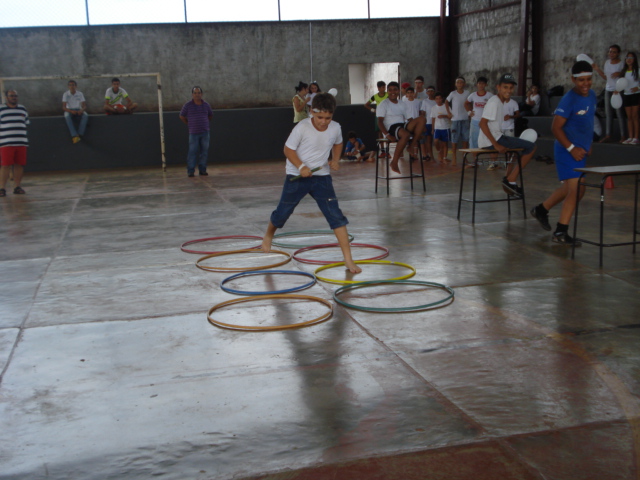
(441, 120)
(411, 105)
(114, 98)
(396, 127)
(425, 110)
(511, 112)
(475, 106)
(491, 135)
(306, 149)
(460, 119)
(74, 106)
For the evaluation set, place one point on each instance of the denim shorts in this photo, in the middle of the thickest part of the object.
(460, 131)
(320, 187)
(515, 142)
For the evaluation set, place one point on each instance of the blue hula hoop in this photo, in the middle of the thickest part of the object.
(274, 292)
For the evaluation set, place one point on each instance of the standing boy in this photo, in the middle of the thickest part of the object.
(475, 106)
(441, 120)
(396, 127)
(114, 97)
(573, 129)
(421, 94)
(74, 106)
(375, 100)
(307, 148)
(13, 142)
(197, 114)
(460, 119)
(491, 133)
(425, 110)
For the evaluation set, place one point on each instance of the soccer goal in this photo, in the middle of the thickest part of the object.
(116, 75)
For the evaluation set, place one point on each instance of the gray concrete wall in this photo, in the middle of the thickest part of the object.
(489, 41)
(237, 64)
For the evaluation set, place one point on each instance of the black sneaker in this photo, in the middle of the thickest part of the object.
(510, 188)
(204, 174)
(3, 192)
(565, 239)
(543, 218)
(18, 191)
(191, 175)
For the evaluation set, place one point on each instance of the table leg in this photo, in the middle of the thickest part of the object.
(464, 167)
(475, 182)
(635, 215)
(575, 218)
(604, 179)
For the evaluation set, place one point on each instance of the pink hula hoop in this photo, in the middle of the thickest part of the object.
(385, 253)
(200, 240)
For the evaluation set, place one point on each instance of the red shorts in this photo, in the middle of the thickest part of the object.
(13, 156)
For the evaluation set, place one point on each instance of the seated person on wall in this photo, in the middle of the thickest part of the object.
(74, 107)
(531, 105)
(114, 97)
(396, 127)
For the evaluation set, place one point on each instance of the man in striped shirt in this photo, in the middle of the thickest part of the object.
(13, 141)
(197, 114)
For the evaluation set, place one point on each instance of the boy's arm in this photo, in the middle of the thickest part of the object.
(484, 126)
(336, 150)
(382, 128)
(292, 156)
(558, 132)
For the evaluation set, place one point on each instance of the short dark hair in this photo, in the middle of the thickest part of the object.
(438, 94)
(460, 77)
(419, 77)
(482, 79)
(301, 85)
(411, 89)
(581, 67)
(352, 134)
(324, 102)
(382, 84)
(616, 46)
(72, 81)
(115, 79)
(198, 87)
(394, 84)
(431, 87)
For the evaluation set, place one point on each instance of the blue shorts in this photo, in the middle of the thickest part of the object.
(442, 135)
(460, 131)
(515, 142)
(565, 163)
(428, 130)
(320, 187)
(474, 134)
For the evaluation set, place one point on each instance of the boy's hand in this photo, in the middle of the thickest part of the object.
(334, 164)
(578, 153)
(500, 148)
(306, 172)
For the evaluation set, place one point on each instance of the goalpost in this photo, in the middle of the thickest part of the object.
(124, 75)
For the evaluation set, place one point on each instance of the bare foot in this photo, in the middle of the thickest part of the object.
(266, 243)
(353, 268)
(605, 139)
(454, 164)
(394, 167)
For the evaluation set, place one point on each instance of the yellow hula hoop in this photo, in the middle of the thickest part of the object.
(360, 262)
(241, 269)
(250, 328)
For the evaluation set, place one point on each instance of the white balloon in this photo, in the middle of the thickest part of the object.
(621, 84)
(584, 57)
(529, 135)
(333, 92)
(616, 100)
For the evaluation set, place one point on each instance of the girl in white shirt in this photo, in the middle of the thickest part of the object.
(631, 98)
(611, 73)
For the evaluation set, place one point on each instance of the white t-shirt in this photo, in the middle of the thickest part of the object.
(411, 108)
(426, 107)
(478, 101)
(536, 100)
(457, 105)
(421, 95)
(313, 146)
(73, 100)
(631, 83)
(115, 98)
(509, 108)
(609, 70)
(440, 123)
(494, 112)
(391, 112)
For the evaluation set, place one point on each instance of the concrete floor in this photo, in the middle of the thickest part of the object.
(111, 370)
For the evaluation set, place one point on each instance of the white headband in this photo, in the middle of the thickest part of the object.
(583, 74)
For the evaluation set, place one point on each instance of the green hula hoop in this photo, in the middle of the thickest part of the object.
(394, 309)
(302, 232)
(361, 262)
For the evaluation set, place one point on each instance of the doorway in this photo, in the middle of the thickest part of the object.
(363, 78)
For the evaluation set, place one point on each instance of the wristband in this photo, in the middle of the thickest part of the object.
(301, 167)
(570, 147)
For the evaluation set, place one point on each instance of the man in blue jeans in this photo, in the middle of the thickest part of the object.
(197, 114)
(74, 106)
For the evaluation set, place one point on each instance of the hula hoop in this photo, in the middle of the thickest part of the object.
(250, 328)
(240, 269)
(275, 292)
(394, 309)
(385, 253)
(200, 240)
(302, 232)
(358, 262)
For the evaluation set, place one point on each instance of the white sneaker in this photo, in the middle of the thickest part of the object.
(635, 141)
(627, 141)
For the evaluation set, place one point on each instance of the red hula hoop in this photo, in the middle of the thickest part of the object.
(200, 240)
(385, 253)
